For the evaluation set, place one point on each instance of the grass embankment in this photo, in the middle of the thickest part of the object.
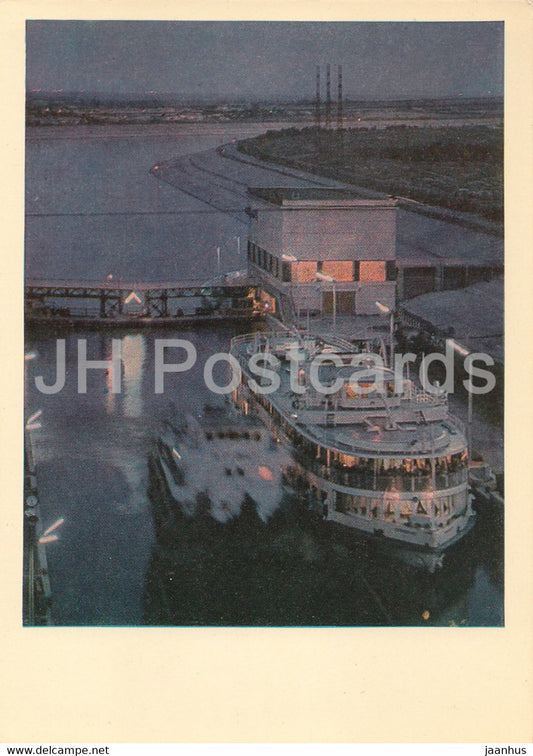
(454, 167)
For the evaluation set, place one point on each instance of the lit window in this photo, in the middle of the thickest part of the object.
(304, 272)
(372, 271)
(340, 270)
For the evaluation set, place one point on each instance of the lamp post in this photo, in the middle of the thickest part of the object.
(293, 259)
(32, 518)
(332, 280)
(388, 311)
(32, 545)
(31, 422)
(464, 352)
(218, 261)
(34, 542)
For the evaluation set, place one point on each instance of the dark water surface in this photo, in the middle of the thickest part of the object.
(92, 450)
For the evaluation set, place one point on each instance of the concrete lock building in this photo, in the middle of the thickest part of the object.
(320, 250)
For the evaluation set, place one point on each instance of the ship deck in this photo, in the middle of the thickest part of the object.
(418, 425)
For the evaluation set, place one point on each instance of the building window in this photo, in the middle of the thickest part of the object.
(341, 270)
(372, 271)
(285, 272)
(304, 272)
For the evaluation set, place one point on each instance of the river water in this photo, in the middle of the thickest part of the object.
(93, 210)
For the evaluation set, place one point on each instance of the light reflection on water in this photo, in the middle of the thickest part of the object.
(92, 467)
(133, 357)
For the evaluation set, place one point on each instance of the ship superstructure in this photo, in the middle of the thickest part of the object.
(373, 451)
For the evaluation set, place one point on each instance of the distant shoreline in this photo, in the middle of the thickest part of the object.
(49, 109)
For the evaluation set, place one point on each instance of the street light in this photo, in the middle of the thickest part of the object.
(464, 352)
(388, 311)
(326, 277)
(293, 259)
(31, 423)
(49, 536)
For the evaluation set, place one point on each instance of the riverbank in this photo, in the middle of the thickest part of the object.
(457, 167)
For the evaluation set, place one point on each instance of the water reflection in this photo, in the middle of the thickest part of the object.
(133, 356)
(110, 394)
(92, 466)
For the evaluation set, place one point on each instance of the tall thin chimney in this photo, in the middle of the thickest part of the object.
(339, 99)
(317, 103)
(328, 97)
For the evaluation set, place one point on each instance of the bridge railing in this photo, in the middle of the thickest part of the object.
(119, 285)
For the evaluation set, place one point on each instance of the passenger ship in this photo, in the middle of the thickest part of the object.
(375, 453)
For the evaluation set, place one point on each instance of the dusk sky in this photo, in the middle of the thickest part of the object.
(265, 60)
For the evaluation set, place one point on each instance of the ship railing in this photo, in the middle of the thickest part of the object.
(420, 397)
(338, 341)
(452, 421)
(269, 337)
(329, 340)
(362, 477)
(242, 339)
